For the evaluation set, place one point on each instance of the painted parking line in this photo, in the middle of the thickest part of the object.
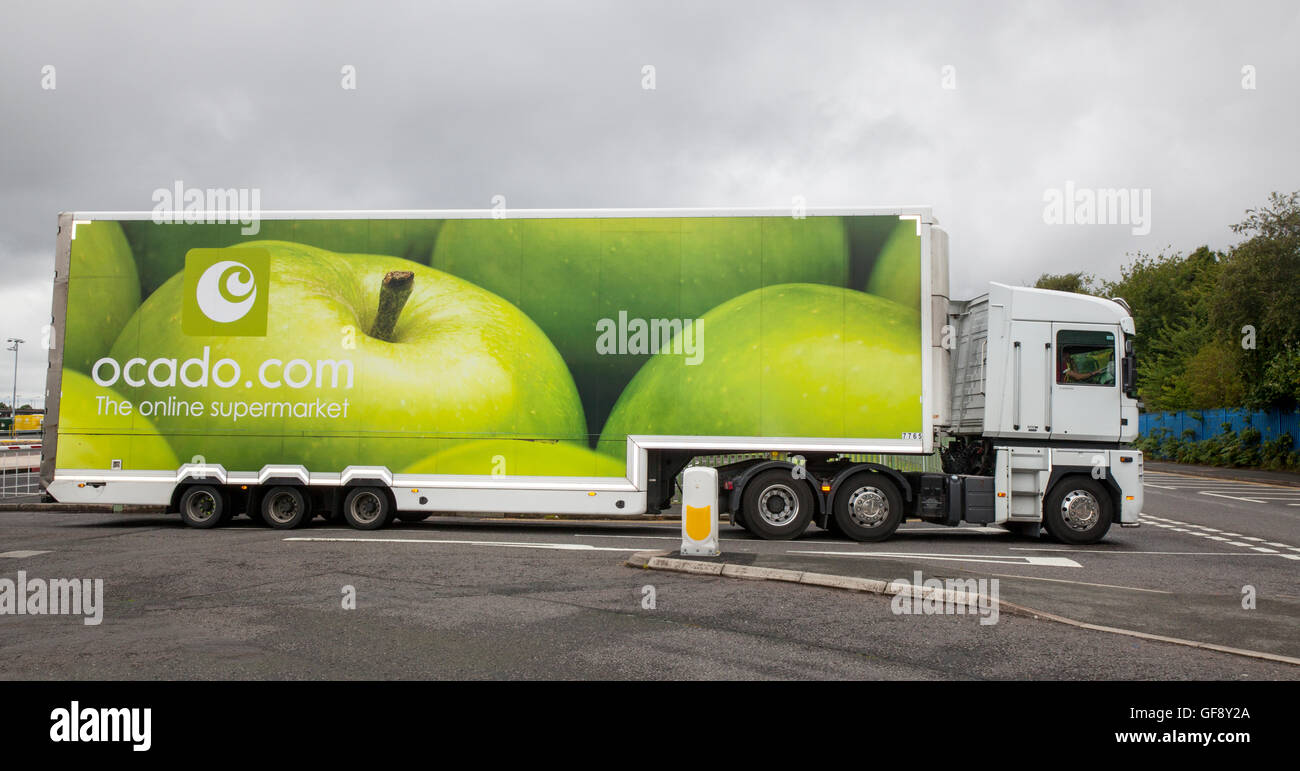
(1227, 538)
(1080, 583)
(1166, 553)
(679, 538)
(1231, 497)
(22, 554)
(506, 544)
(997, 559)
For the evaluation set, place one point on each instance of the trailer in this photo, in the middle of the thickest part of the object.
(367, 366)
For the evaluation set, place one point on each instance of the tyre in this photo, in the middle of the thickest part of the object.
(285, 508)
(203, 506)
(868, 507)
(414, 516)
(776, 506)
(367, 508)
(1078, 510)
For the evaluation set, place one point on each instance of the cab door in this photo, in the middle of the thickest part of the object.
(1084, 403)
(1030, 365)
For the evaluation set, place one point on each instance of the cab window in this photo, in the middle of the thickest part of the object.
(1085, 358)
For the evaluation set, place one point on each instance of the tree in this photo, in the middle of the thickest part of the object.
(1077, 282)
(1256, 300)
(1171, 295)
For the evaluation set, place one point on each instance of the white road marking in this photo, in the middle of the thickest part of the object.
(1171, 553)
(1081, 583)
(1231, 497)
(20, 554)
(678, 538)
(508, 544)
(997, 559)
(1203, 531)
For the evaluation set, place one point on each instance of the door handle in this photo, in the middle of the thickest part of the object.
(1016, 392)
(1047, 398)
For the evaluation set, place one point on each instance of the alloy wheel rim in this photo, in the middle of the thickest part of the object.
(283, 508)
(778, 505)
(201, 506)
(1080, 510)
(365, 508)
(868, 506)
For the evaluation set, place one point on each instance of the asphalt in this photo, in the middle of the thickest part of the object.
(509, 599)
(1288, 478)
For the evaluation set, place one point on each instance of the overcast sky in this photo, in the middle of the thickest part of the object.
(754, 103)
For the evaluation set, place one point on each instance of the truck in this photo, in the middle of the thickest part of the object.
(372, 366)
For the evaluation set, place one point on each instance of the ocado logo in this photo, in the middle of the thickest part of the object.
(226, 291)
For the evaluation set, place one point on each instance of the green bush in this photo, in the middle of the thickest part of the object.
(1244, 448)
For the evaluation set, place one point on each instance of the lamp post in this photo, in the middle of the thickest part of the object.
(13, 404)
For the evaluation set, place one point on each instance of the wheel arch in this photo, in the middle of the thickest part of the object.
(742, 481)
(1061, 473)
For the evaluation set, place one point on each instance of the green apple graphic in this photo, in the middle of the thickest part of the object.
(394, 360)
(510, 457)
(897, 273)
(570, 274)
(793, 360)
(160, 248)
(94, 431)
(103, 292)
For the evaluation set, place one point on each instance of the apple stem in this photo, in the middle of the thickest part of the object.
(393, 295)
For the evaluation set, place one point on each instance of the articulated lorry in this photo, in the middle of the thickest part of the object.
(370, 365)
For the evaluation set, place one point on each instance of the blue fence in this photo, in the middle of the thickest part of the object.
(1271, 423)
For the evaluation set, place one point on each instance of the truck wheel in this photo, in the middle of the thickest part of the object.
(414, 516)
(868, 507)
(1077, 511)
(776, 506)
(285, 508)
(367, 508)
(203, 506)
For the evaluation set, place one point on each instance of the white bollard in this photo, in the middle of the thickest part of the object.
(700, 512)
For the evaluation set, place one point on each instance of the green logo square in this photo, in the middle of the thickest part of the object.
(226, 292)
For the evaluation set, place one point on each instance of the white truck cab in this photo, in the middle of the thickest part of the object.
(1047, 382)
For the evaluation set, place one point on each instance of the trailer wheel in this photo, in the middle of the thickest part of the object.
(1077, 510)
(367, 508)
(868, 507)
(285, 508)
(776, 506)
(203, 506)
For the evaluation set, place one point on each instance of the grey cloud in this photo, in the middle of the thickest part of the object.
(755, 102)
